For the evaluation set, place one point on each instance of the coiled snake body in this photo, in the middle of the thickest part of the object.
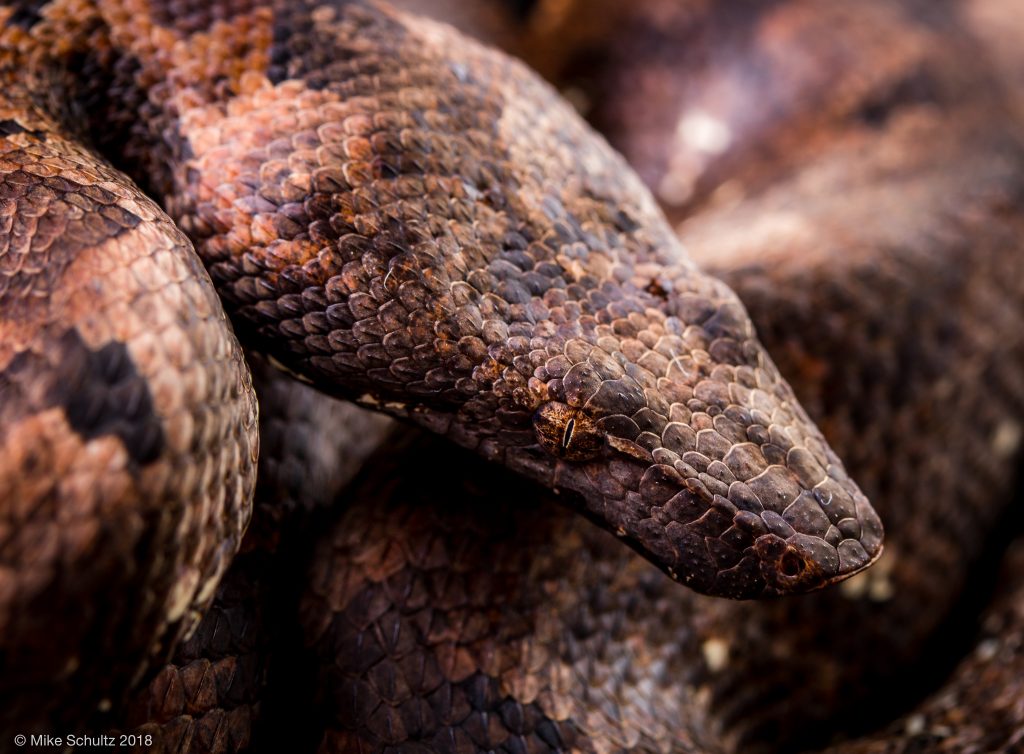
(403, 217)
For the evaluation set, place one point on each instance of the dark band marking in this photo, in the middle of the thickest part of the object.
(104, 394)
(319, 53)
(10, 127)
(100, 391)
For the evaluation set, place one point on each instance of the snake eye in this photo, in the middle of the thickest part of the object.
(566, 432)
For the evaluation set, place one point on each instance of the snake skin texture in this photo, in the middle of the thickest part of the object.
(472, 614)
(311, 446)
(439, 623)
(209, 698)
(127, 426)
(443, 624)
(407, 218)
(624, 661)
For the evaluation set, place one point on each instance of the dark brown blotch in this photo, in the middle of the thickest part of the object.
(104, 394)
(100, 391)
(26, 13)
(10, 127)
(655, 288)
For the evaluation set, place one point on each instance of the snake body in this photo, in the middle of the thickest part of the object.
(430, 645)
(890, 218)
(392, 212)
(401, 216)
(127, 427)
(437, 620)
(212, 694)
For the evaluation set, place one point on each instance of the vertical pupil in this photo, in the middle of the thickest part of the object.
(567, 437)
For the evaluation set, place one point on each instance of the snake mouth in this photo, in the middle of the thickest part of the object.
(854, 569)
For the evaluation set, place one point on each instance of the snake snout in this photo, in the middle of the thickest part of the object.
(826, 534)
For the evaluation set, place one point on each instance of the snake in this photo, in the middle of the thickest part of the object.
(568, 368)
(209, 696)
(396, 214)
(550, 638)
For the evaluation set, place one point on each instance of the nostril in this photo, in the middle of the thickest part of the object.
(791, 564)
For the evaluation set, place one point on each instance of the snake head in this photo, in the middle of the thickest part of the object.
(685, 441)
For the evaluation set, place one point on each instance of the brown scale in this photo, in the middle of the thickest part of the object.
(414, 221)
